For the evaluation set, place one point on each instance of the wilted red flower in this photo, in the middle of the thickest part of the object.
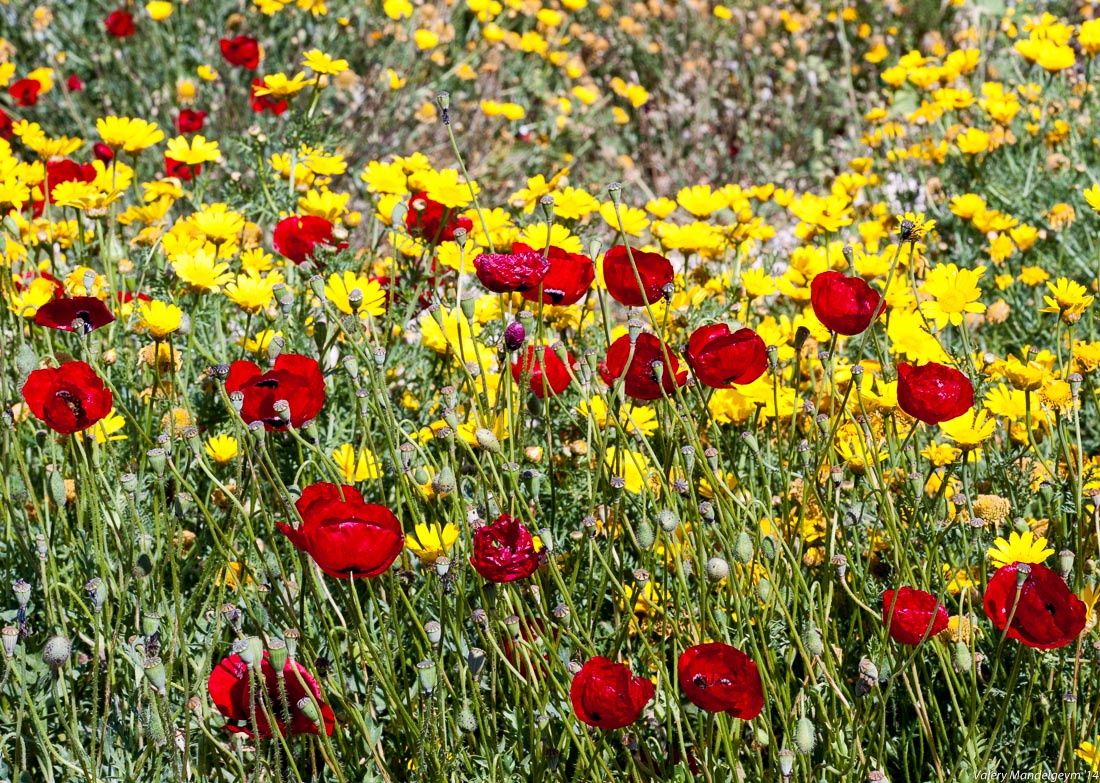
(119, 23)
(102, 152)
(507, 272)
(432, 222)
(504, 551)
(606, 695)
(298, 236)
(718, 677)
(1048, 615)
(25, 91)
(73, 83)
(720, 358)
(845, 305)
(544, 371)
(345, 536)
(911, 616)
(262, 103)
(242, 51)
(654, 270)
(184, 172)
(69, 398)
(933, 393)
(569, 278)
(190, 120)
(230, 691)
(296, 379)
(641, 379)
(65, 170)
(62, 313)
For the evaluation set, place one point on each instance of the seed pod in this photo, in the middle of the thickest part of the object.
(425, 671)
(487, 440)
(767, 546)
(444, 483)
(57, 488)
(804, 735)
(743, 549)
(764, 591)
(963, 659)
(57, 651)
(717, 569)
(278, 655)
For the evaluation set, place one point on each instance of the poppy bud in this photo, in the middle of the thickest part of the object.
(57, 651)
(963, 659)
(667, 520)
(743, 549)
(57, 488)
(96, 589)
(767, 547)
(804, 735)
(812, 638)
(646, 535)
(466, 720)
(764, 591)
(1065, 563)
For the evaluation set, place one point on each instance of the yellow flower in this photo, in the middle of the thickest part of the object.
(259, 343)
(222, 448)
(429, 542)
(969, 430)
(1090, 754)
(366, 467)
(425, 39)
(634, 469)
(917, 227)
(201, 270)
(1092, 195)
(1068, 299)
(279, 85)
(159, 318)
(338, 289)
(700, 201)
(1024, 377)
(973, 142)
(319, 62)
(1019, 548)
(159, 10)
(206, 73)
(109, 428)
(131, 135)
(194, 152)
(634, 220)
(251, 292)
(955, 293)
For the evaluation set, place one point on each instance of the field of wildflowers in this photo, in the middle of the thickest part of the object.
(507, 390)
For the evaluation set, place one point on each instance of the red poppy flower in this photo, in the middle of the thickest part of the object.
(262, 103)
(569, 278)
(184, 172)
(431, 221)
(190, 120)
(720, 358)
(606, 695)
(74, 84)
(242, 51)
(102, 152)
(345, 536)
(547, 370)
(912, 616)
(504, 551)
(298, 236)
(230, 691)
(6, 130)
(718, 677)
(65, 170)
(641, 379)
(69, 398)
(296, 379)
(119, 23)
(507, 272)
(25, 91)
(1048, 615)
(63, 313)
(654, 270)
(933, 393)
(845, 305)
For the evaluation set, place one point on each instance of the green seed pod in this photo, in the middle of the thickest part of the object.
(278, 655)
(767, 546)
(744, 550)
(761, 736)
(805, 737)
(646, 535)
(57, 488)
(963, 659)
(487, 440)
(420, 476)
(444, 483)
(426, 672)
(815, 645)
(155, 674)
(717, 569)
(57, 651)
(764, 591)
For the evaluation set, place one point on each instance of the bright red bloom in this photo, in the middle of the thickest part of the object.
(654, 270)
(102, 152)
(507, 272)
(262, 103)
(6, 131)
(718, 677)
(432, 222)
(298, 236)
(606, 695)
(73, 83)
(65, 170)
(912, 616)
(184, 172)
(242, 51)
(69, 398)
(1048, 615)
(545, 371)
(569, 278)
(641, 381)
(933, 393)
(504, 551)
(119, 23)
(230, 691)
(345, 536)
(296, 379)
(190, 120)
(62, 313)
(845, 305)
(25, 91)
(720, 358)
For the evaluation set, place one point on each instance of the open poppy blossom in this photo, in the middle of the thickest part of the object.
(845, 305)
(296, 379)
(243, 51)
(721, 358)
(607, 695)
(297, 237)
(190, 120)
(641, 377)
(569, 278)
(65, 170)
(912, 616)
(230, 690)
(505, 273)
(504, 551)
(184, 172)
(1047, 614)
(262, 103)
(347, 537)
(120, 23)
(933, 392)
(718, 677)
(25, 91)
(653, 269)
(545, 371)
(68, 398)
(430, 221)
(63, 313)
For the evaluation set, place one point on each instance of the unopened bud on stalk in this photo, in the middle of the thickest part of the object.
(767, 547)
(514, 336)
(743, 548)
(963, 659)
(706, 511)
(646, 536)
(57, 488)
(717, 569)
(804, 735)
(41, 546)
(466, 720)
(764, 591)
(57, 651)
(812, 638)
(444, 483)
(434, 632)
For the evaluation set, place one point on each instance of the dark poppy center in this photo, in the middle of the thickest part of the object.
(268, 383)
(71, 402)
